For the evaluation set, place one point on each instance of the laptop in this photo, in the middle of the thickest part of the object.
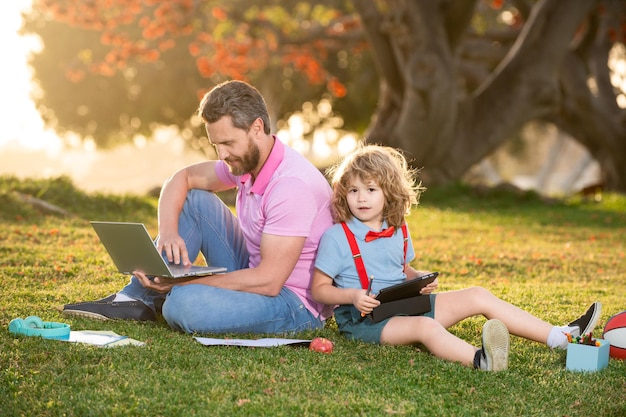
(132, 249)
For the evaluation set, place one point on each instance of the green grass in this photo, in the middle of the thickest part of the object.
(551, 259)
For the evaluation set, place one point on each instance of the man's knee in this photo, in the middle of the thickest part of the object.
(202, 198)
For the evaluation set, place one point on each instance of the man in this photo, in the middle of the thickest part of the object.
(283, 207)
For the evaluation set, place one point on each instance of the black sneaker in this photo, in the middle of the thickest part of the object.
(587, 322)
(495, 351)
(107, 309)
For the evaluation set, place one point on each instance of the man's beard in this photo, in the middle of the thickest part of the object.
(246, 164)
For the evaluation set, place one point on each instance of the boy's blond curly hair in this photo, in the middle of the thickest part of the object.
(389, 169)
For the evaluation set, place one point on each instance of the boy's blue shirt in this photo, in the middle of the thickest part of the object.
(383, 258)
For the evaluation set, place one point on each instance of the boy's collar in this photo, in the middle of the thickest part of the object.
(359, 229)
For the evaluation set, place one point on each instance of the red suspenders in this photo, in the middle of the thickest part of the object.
(356, 253)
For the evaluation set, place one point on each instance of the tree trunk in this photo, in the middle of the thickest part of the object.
(594, 118)
(424, 109)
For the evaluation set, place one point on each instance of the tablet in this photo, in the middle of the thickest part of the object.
(409, 288)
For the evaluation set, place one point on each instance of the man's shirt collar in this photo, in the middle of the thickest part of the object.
(269, 167)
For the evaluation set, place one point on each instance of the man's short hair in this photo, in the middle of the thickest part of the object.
(237, 99)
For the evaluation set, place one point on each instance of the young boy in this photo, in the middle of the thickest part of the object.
(373, 190)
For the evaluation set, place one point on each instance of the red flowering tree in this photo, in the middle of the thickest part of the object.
(113, 68)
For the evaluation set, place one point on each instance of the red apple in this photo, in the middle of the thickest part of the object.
(321, 344)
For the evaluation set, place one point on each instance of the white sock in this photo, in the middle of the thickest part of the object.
(573, 330)
(557, 338)
(119, 297)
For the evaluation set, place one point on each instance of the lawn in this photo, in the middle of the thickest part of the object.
(551, 258)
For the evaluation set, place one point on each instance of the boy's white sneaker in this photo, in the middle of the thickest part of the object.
(494, 354)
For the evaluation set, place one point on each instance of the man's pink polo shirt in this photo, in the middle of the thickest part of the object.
(290, 197)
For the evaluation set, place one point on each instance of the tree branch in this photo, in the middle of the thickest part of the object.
(379, 43)
(524, 86)
(457, 17)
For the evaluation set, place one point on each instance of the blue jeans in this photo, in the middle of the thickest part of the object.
(208, 226)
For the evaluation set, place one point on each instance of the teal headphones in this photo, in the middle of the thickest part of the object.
(34, 326)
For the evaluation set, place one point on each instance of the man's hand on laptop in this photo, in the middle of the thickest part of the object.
(161, 285)
(174, 249)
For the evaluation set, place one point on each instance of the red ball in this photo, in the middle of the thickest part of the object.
(615, 334)
(321, 344)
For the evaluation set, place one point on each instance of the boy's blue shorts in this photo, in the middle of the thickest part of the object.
(355, 327)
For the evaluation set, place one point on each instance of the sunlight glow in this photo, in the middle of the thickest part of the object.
(507, 17)
(346, 144)
(320, 145)
(617, 64)
(21, 123)
(140, 141)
